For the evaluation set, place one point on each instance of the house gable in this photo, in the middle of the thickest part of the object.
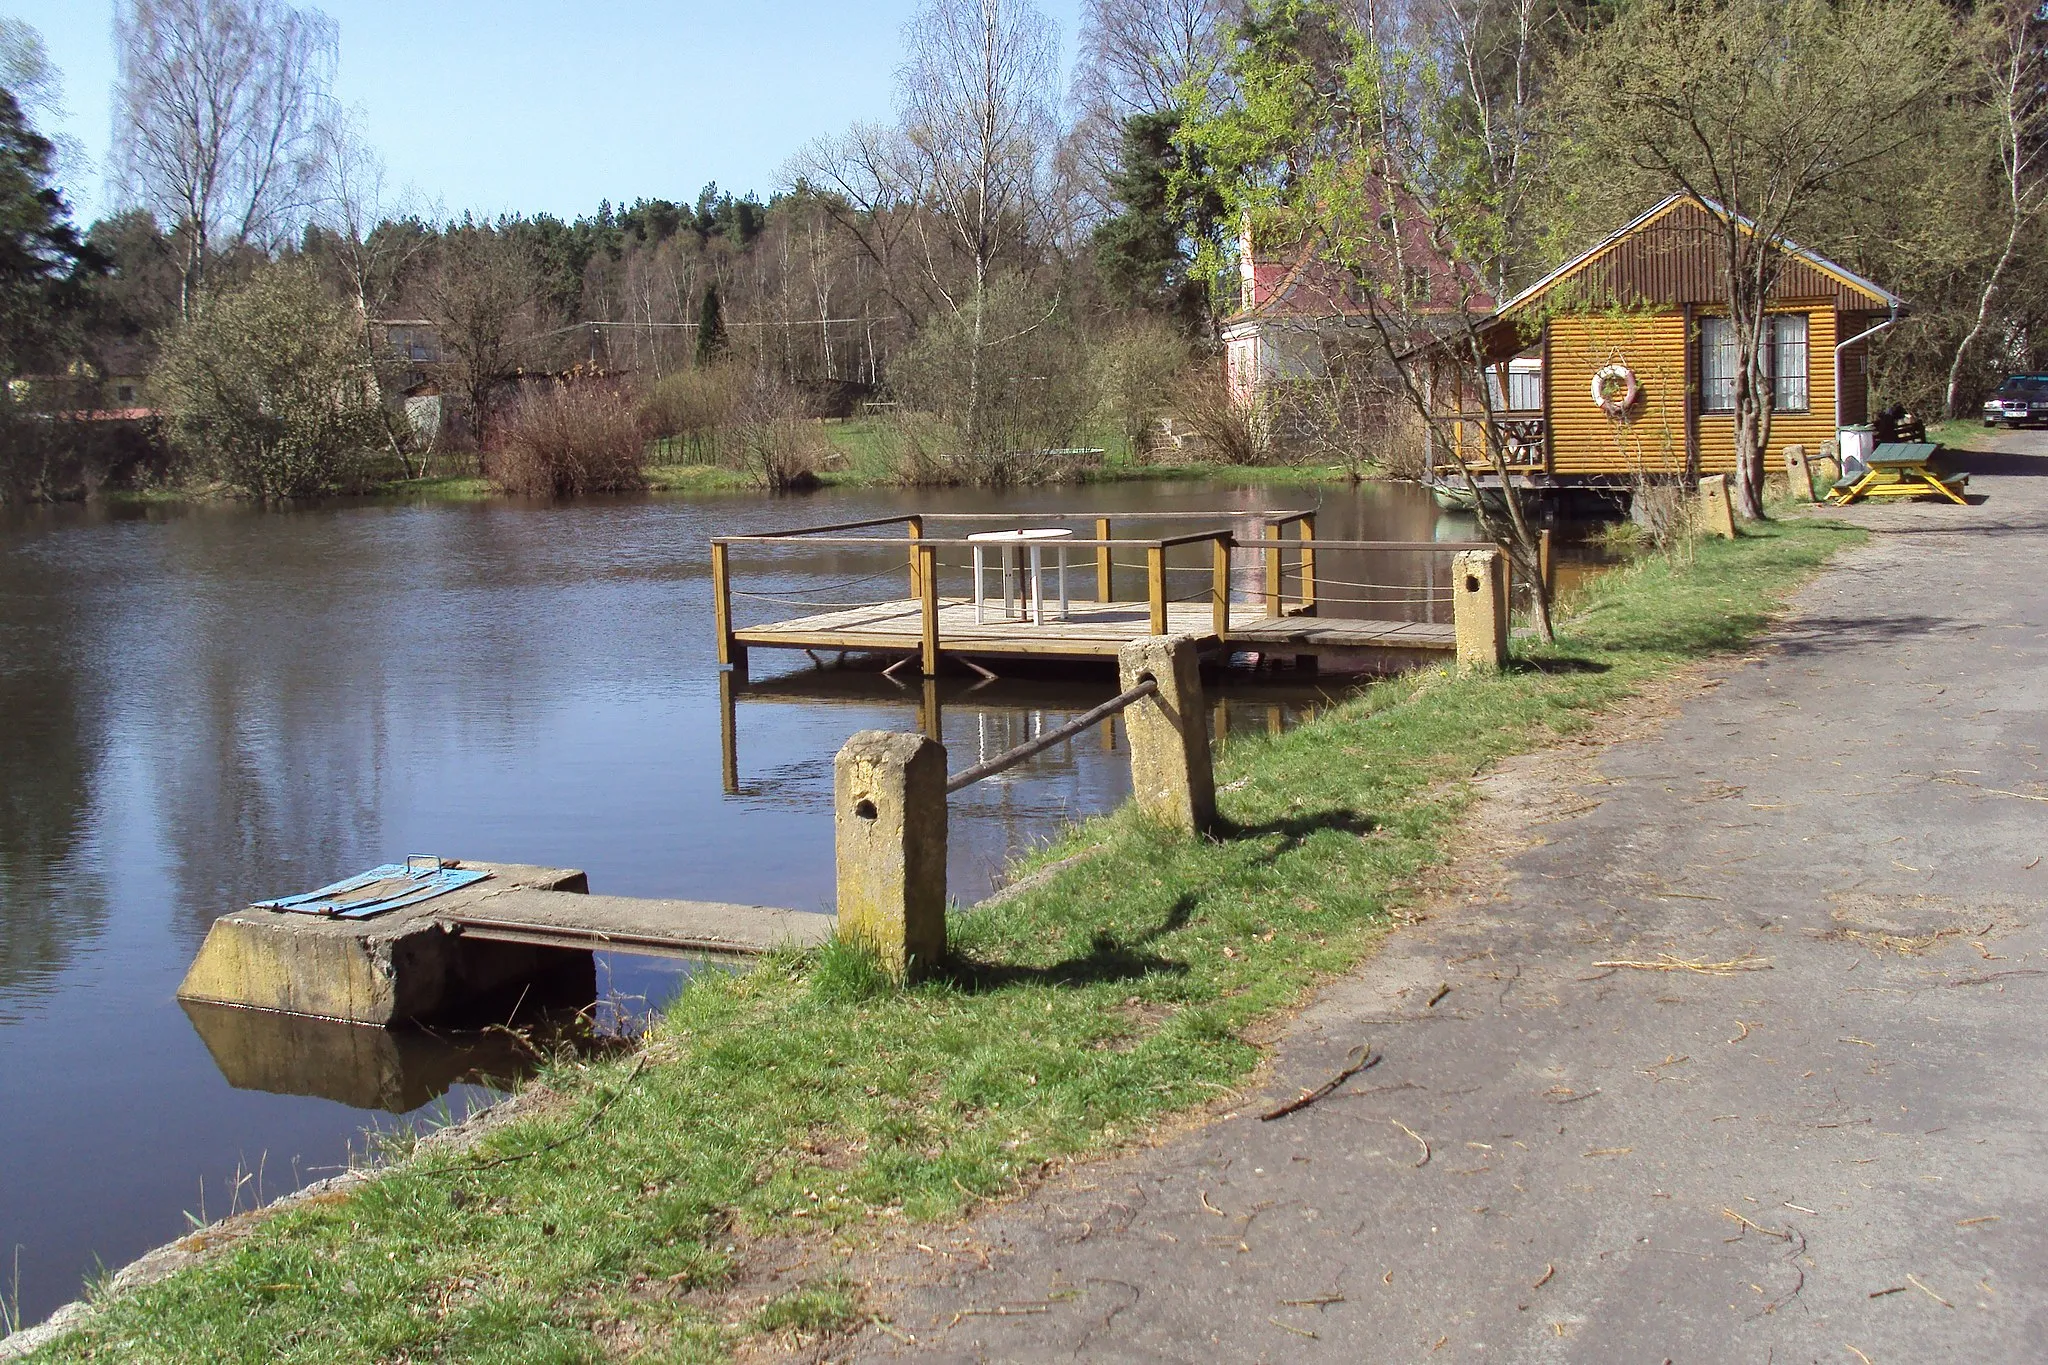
(1671, 256)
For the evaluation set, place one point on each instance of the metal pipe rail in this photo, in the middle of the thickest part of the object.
(1010, 758)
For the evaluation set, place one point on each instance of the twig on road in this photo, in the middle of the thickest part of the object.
(1748, 962)
(1418, 1137)
(1366, 1059)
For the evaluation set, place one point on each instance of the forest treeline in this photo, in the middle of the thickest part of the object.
(1023, 259)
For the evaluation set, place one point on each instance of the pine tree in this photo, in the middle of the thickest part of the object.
(40, 251)
(1144, 251)
(711, 342)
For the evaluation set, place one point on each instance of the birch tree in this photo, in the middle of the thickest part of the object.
(976, 97)
(2005, 50)
(218, 106)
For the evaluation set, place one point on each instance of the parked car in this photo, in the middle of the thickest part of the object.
(2019, 400)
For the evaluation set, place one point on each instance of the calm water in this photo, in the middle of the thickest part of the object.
(202, 707)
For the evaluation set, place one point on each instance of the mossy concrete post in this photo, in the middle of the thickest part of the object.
(1717, 509)
(1798, 473)
(1171, 776)
(889, 827)
(1479, 607)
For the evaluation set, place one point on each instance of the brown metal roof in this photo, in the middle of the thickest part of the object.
(1673, 255)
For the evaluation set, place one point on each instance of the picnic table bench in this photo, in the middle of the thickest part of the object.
(1900, 469)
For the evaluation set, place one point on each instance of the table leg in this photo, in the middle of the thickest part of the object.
(1063, 583)
(1009, 581)
(977, 584)
(1037, 585)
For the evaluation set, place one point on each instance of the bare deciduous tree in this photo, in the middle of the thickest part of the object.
(481, 294)
(976, 95)
(2006, 52)
(217, 111)
(1137, 55)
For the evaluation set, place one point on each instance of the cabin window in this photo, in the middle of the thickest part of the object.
(1784, 357)
(1787, 352)
(1717, 365)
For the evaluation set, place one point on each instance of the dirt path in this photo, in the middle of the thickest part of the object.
(1828, 1150)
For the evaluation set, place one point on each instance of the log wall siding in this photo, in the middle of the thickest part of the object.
(1583, 438)
(1809, 428)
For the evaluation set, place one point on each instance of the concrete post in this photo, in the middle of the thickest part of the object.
(1798, 474)
(1717, 509)
(889, 827)
(1171, 777)
(1479, 607)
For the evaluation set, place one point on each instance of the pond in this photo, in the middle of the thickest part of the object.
(203, 706)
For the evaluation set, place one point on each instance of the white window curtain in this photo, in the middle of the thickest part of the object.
(1788, 362)
(1717, 365)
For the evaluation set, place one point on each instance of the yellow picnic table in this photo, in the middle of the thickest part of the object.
(1900, 469)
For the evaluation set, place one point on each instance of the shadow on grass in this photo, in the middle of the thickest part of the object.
(1107, 960)
(1556, 664)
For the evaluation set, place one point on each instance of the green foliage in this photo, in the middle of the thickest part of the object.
(1144, 253)
(711, 339)
(267, 388)
(41, 256)
(793, 1099)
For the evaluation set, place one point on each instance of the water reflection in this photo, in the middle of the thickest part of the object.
(395, 1070)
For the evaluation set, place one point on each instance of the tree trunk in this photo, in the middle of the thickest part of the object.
(1955, 364)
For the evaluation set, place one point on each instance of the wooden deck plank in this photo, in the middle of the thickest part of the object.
(1089, 629)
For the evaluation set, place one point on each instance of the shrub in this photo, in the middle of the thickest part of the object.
(771, 439)
(267, 388)
(565, 440)
(1134, 370)
(1028, 395)
(1231, 432)
(694, 406)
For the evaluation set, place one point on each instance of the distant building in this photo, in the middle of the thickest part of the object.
(1293, 300)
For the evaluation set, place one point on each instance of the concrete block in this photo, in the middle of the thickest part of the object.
(1798, 474)
(1717, 508)
(405, 965)
(1171, 774)
(1479, 607)
(889, 834)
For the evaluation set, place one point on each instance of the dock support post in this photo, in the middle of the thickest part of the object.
(889, 828)
(1717, 509)
(1479, 608)
(1275, 573)
(1171, 776)
(927, 580)
(1307, 534)
(1104, 576)
(728, 734)
(1798, 474)
(1155, 586)
(730, 651)
(1219, 588)
(916, 525)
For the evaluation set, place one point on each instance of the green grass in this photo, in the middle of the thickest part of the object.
(813, 1095)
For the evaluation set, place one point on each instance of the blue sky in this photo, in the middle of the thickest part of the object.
(520, 104)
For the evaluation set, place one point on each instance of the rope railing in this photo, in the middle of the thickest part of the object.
(1010, 758)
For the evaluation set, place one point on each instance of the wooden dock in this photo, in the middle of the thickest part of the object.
(1281, 613)
(1091, 630)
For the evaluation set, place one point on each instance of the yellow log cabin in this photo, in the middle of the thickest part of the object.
(1645, 309)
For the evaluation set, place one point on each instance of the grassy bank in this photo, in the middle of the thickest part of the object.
(810, 1096)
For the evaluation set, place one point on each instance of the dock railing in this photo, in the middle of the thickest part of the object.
(1276, 547)
(890, 796)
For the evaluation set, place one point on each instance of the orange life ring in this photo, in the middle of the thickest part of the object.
(1615, 389)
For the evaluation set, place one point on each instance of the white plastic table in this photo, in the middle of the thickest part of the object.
(1009, 542)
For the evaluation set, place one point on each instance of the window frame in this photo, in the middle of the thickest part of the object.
(1711, 401)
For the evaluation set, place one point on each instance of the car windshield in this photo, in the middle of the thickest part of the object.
(2024, 386)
